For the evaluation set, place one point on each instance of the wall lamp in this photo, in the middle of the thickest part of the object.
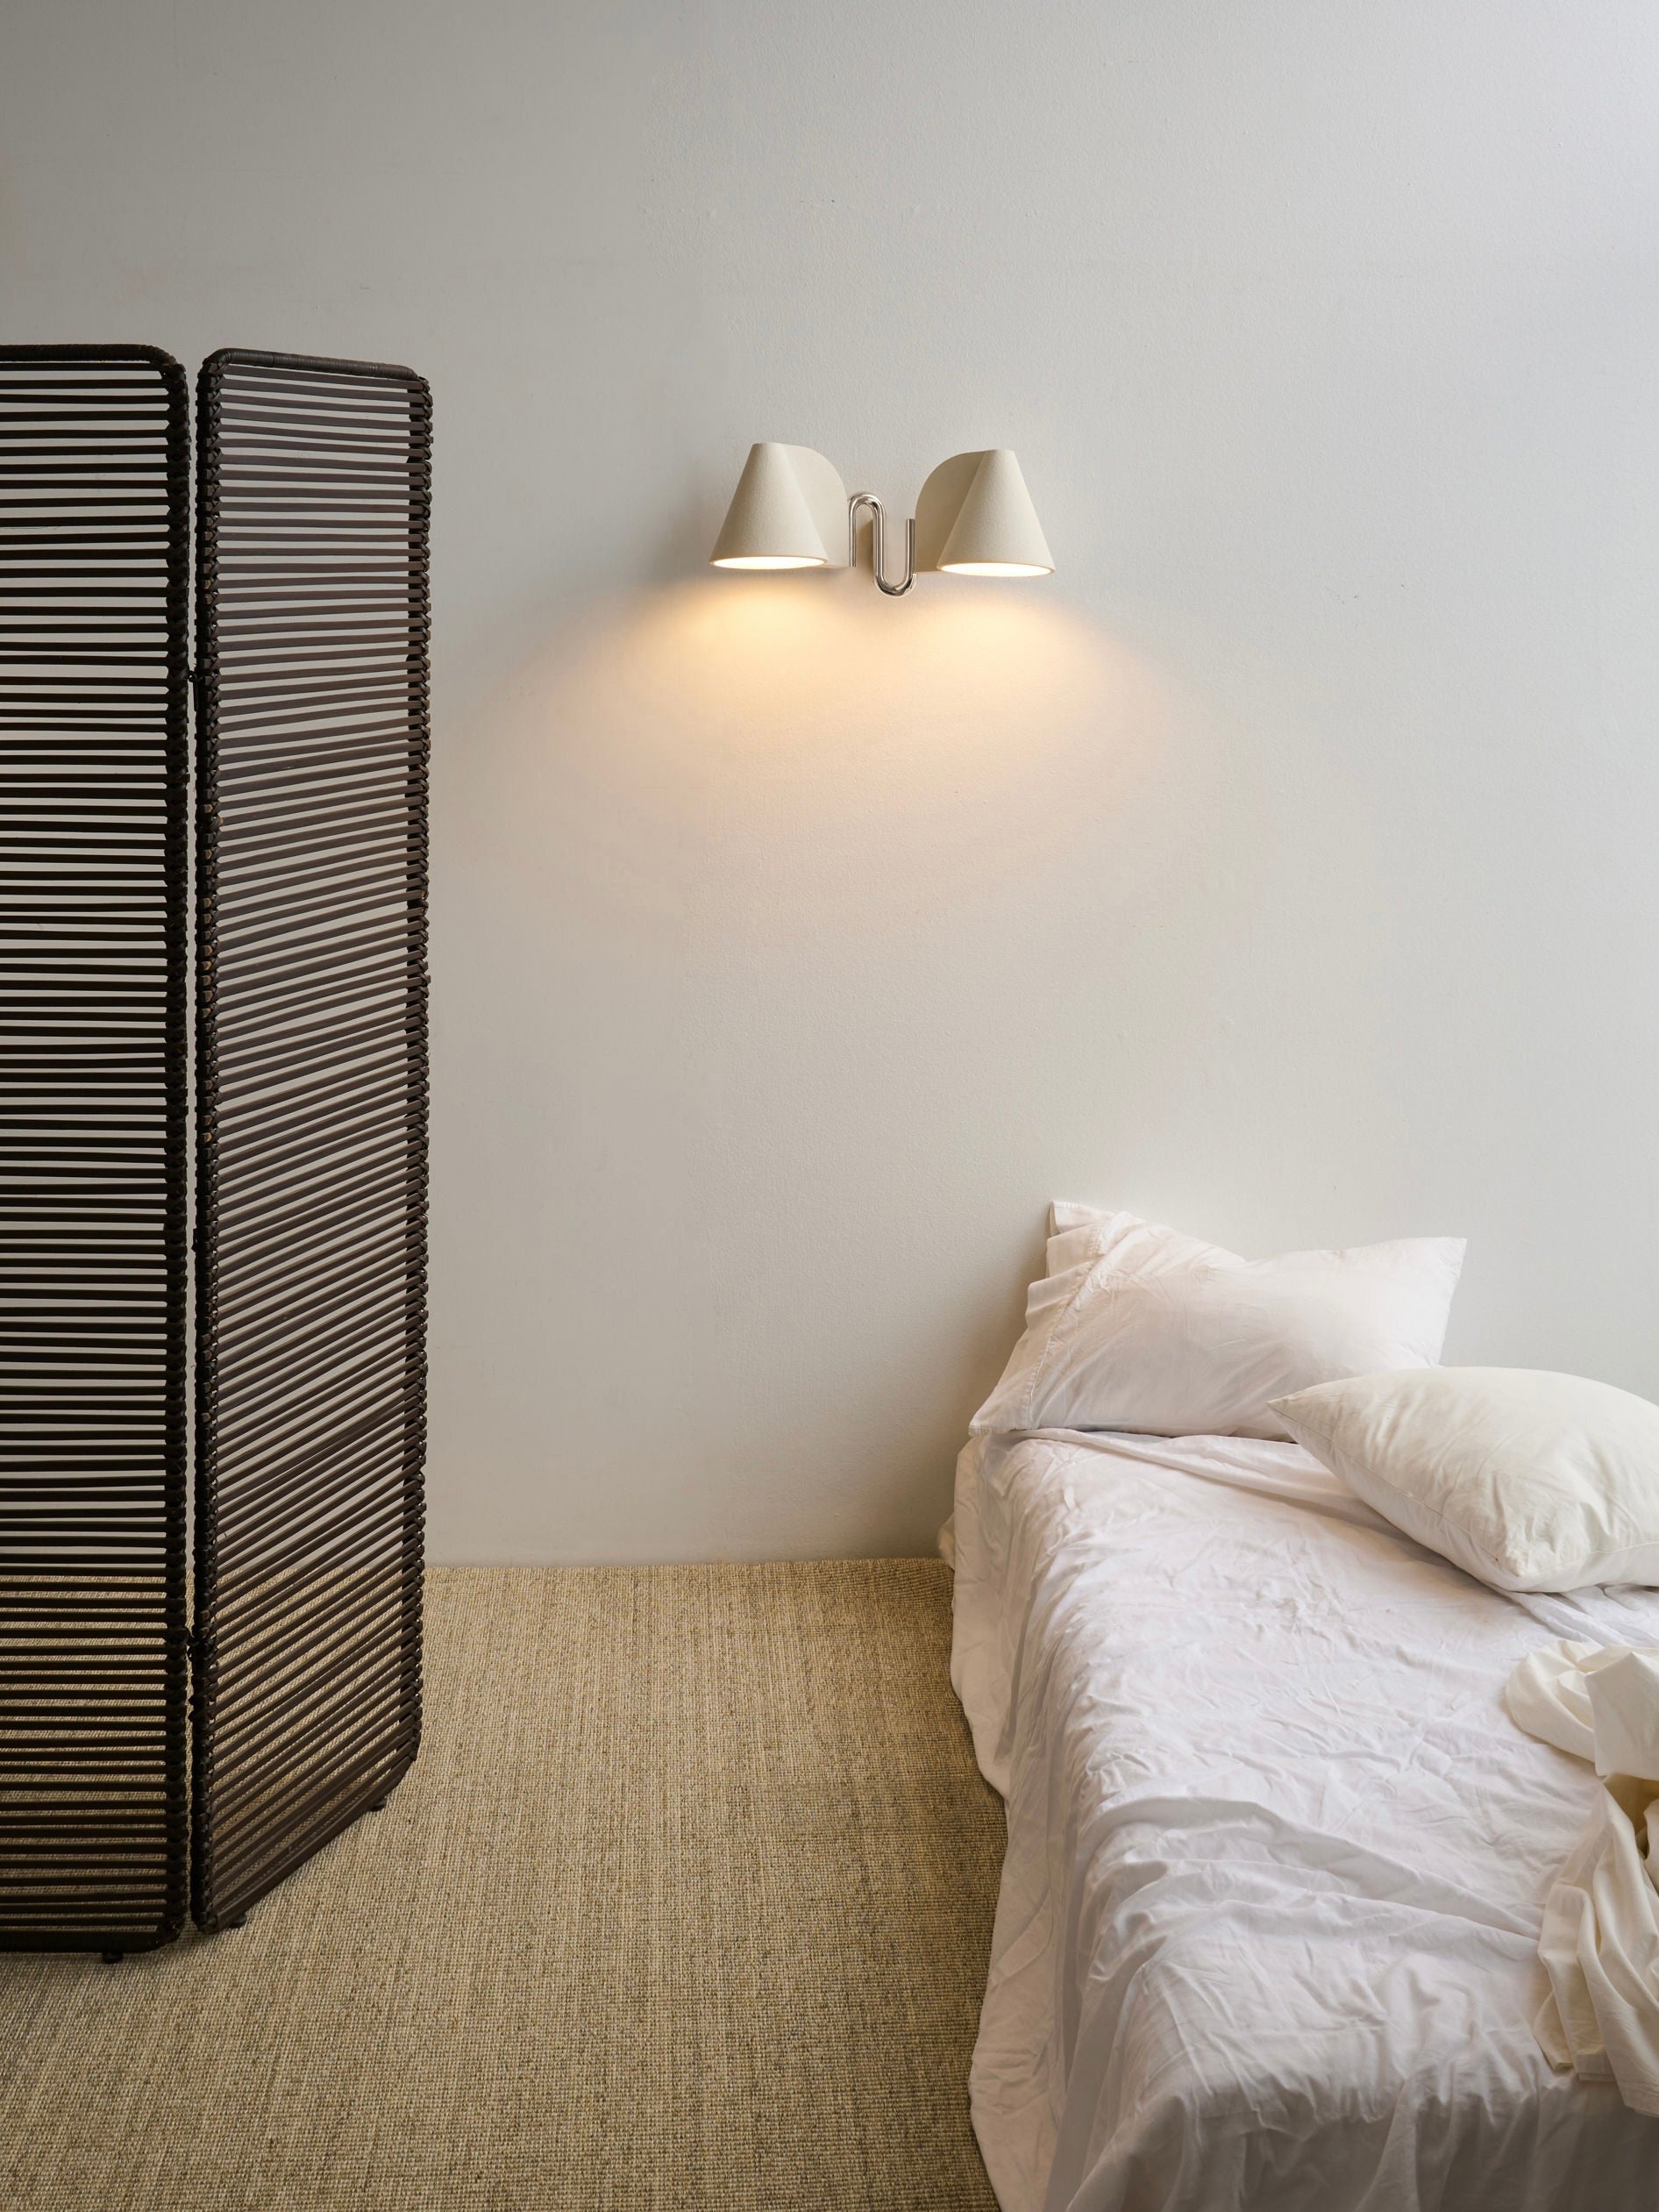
(792, 510)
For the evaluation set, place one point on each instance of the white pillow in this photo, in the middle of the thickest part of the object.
(1530, 1481)
(1070, 1234)
(1142, 1328)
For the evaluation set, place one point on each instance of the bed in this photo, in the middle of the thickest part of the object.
(1277, 1854)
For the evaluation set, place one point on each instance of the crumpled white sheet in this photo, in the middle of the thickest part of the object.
(1599, 1943)
(1277, 1857)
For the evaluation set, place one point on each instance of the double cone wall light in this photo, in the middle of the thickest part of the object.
(974, 519)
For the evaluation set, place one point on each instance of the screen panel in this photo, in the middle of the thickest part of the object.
(93, 581)
(312, 735)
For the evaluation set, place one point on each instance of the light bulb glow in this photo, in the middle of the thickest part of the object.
(995, 568)
(769, 561)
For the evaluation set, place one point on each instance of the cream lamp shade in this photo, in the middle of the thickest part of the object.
(789, 512)
(975, 518)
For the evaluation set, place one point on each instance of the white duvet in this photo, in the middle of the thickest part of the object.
(1277, 1854)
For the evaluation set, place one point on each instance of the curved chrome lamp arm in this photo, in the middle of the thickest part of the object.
(877, 520)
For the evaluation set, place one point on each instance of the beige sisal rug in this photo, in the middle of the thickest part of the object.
(686, 1904)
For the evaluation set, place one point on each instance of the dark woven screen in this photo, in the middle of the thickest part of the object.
(311, 1102)
(94, 569)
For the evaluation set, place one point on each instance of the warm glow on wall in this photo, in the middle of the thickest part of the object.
(759, 762)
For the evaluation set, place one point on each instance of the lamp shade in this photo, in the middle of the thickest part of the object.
(789, 512)
(975, 518)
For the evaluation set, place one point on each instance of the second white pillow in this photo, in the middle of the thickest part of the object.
(1146, 1329)
(1529, 1481)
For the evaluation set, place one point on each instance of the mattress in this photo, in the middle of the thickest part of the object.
(1277, 1854)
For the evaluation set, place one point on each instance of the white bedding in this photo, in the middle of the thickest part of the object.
(1277, 1853)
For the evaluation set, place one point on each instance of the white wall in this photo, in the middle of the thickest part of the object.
(1284, 867)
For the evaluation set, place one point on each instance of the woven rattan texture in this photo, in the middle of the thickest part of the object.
(313, 489)
(685, 1905)
(94, 522)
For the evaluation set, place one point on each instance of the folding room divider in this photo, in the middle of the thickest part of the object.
(292, 1666)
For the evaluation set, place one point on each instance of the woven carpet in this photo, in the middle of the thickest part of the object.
(687, 1903)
